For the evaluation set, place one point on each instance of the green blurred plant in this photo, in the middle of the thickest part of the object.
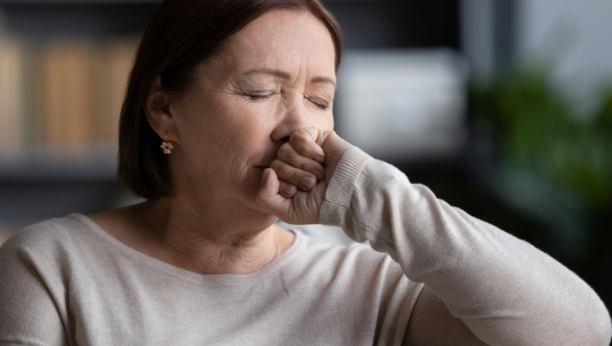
(539, 130)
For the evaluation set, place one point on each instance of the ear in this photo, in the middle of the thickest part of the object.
(157, 110)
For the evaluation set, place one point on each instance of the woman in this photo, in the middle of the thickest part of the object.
(239, 95)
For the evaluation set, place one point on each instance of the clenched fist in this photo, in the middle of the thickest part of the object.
(294, 186)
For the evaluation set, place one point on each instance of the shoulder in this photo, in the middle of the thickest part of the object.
(49, 231)
(49, 239)
(35, 266)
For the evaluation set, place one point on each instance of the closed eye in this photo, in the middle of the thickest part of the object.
(319, 104)
(258, 96)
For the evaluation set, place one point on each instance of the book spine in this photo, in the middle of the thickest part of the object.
(11, 98)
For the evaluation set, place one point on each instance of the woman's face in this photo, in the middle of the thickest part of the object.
(274, 76)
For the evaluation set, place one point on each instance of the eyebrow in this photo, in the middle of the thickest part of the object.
(286, 75)
(323, 80)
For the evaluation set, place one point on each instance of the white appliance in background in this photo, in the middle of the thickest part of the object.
(403, 104)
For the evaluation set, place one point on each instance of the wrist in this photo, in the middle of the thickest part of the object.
(334, 148)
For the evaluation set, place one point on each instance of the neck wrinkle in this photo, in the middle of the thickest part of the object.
(189, 243)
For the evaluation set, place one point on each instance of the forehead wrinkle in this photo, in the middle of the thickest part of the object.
(269, 71)
(286, 75)
(249, 43)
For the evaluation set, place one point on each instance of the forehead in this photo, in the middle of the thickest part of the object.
(283, 39)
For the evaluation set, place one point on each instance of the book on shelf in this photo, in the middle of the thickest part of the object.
(62, 98)
(66, 94)
(114, 60)
(11, 97)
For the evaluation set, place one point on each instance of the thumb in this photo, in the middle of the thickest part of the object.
(268, 196)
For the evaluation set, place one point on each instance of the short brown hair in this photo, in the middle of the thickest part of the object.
(180, 35)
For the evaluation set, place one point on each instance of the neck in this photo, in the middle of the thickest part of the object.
(212, 242)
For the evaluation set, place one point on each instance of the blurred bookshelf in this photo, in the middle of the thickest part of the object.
(60, 100)
(64, 67)
(63, 72)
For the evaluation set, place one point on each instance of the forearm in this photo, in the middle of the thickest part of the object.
(506, 291)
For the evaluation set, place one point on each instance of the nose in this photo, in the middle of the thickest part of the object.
(293, 118)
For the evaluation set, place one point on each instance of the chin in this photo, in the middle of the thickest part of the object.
(260, 219)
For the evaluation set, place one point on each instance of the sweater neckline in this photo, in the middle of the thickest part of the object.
(275, 265)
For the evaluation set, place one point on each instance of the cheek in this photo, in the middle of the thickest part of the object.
(329, 123)
(244, 123)
(324, 121)
(228, 130)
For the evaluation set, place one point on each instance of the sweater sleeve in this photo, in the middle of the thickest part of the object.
(506, 291)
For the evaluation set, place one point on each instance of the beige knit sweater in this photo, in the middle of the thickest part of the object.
(67, 282)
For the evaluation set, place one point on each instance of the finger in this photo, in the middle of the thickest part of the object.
(304, 142)
(287, 190)
(288, 154)
(303, 180)
(268, 196)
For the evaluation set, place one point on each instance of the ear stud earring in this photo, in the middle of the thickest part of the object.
(167, 146)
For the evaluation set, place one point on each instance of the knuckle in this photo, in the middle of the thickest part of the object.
(277, 166)
(299, 136)
(293, 175)
(302, 132)
(283, 170)
(301, 146)
(308, 166)
(285, 151)
(305, 165)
